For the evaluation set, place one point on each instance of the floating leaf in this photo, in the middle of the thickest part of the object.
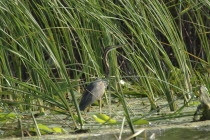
(98, 119)
(59, 130)
(101, 118)
(43, 129)
(140, 122)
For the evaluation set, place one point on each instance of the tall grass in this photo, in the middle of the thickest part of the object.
(47, 48)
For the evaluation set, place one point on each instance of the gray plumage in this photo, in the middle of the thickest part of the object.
(94, 91)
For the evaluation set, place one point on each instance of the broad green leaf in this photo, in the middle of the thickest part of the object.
(140, 122)
(59, 130)
(43, 129)
(101, 118)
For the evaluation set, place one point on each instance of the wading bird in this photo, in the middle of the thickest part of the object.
(95, 90)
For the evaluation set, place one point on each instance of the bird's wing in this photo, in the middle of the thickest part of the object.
(86, 100)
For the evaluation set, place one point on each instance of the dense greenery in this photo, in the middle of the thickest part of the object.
(49, 49)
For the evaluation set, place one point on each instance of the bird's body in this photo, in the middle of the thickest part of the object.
(93, 92)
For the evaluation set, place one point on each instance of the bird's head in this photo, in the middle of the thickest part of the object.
(104, 81)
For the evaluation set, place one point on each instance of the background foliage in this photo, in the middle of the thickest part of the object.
(49, 49)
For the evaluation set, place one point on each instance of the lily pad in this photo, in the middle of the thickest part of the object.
(59, 130)
(140, 122)
(43, 129)
(101, 118)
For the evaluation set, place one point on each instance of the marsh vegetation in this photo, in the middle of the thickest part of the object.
(50, 50)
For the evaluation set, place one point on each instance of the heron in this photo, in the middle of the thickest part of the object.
(95, 90)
